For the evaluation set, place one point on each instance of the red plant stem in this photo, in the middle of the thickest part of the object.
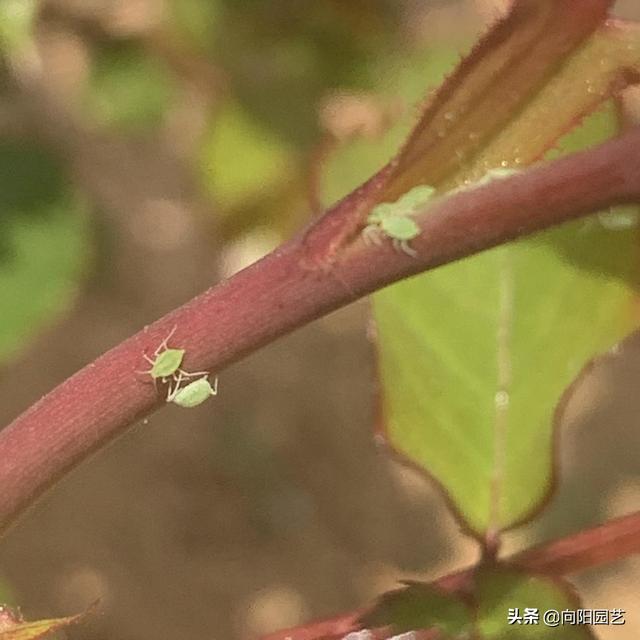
(608, 542)
(324, 268)
(613, 540)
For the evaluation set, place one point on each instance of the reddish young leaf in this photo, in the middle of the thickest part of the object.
(501, 77)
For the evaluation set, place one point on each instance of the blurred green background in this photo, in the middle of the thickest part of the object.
(148, 149)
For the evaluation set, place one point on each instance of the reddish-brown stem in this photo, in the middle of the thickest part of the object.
(608, 542)
(326, 267)
(613, 540)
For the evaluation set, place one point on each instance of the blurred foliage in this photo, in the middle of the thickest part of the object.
(16, 21)
(260, 183)
(259, 163)
(31, 179)
(128, 89)
(193, 22)
(277, 61)
(281, 56)
(280, 59)
(44, 236)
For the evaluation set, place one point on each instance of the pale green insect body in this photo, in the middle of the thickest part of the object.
(194, 393)
(393, 220)
(166, 361)
(400, 228)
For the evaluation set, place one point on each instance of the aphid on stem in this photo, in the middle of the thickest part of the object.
(194, 393)
(393, 220)
(166, 361)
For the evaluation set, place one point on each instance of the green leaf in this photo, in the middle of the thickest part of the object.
(439, 361)
(44, 233)
(523, 316)
(498, 603)
(499, 590)
(518, 323)
(420, 606)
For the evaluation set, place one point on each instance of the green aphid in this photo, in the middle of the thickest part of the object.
(393, 220)
(194, 393)
(166, 361)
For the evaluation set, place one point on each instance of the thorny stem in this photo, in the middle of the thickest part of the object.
(324, 268)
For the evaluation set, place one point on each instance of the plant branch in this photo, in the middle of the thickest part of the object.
(613, 540)
(608, 542)
(325, 267)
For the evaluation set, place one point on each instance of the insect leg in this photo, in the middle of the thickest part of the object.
(187, 374)
(164, 344)
(403, 245)
(371, 235)
(171, 394)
